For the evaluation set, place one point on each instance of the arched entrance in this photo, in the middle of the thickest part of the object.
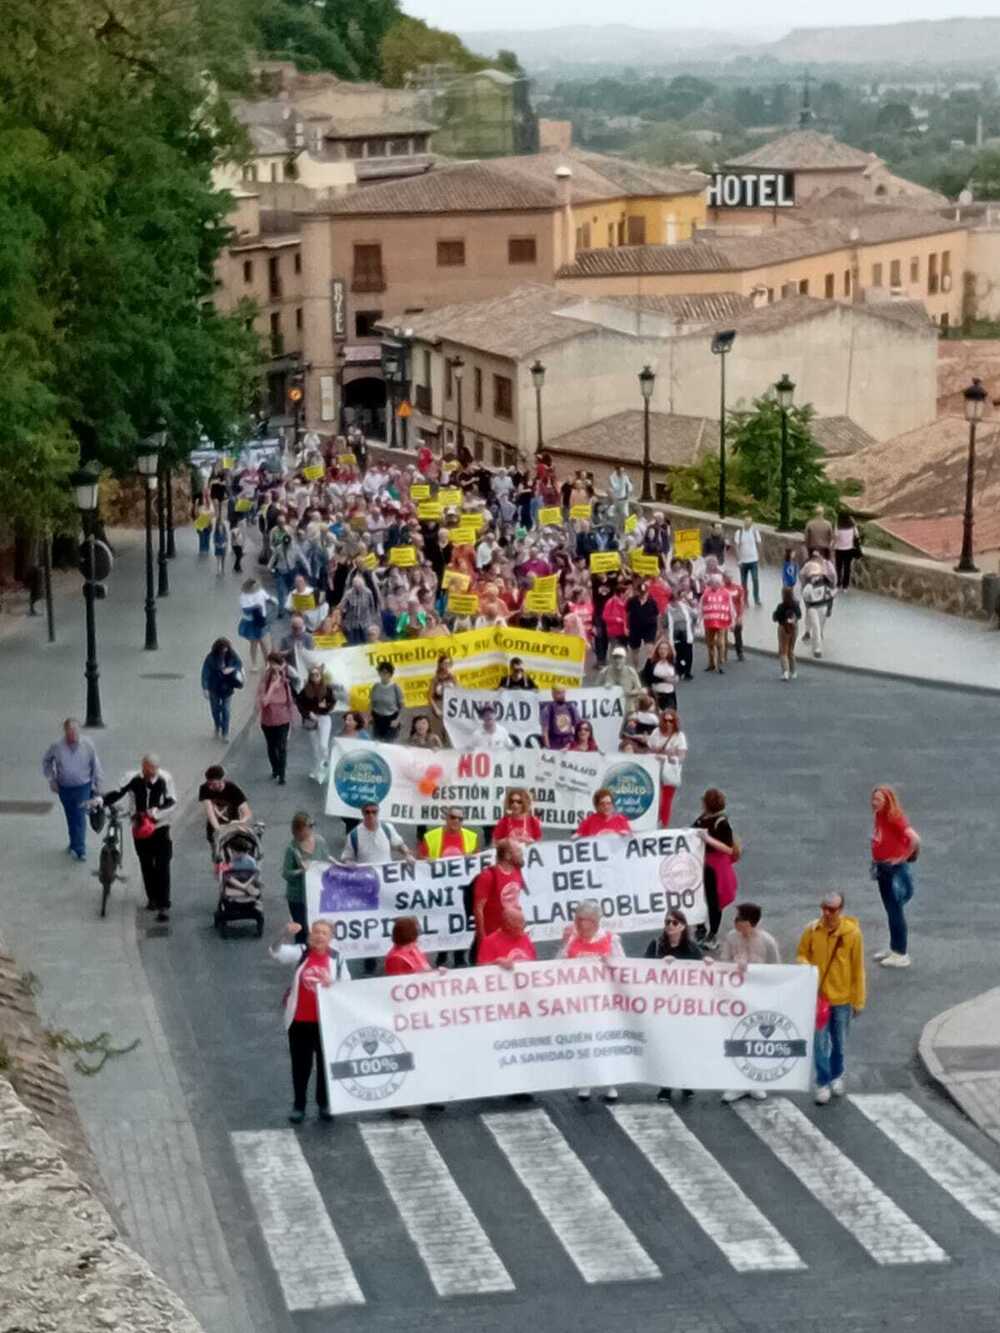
(364, 405)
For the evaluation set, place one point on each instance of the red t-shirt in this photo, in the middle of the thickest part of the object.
(600, 946)
(526, 828)
(451, 845)
(314, 969)
(890, 839)
(496, 887)
(501, 945)
(594, 825)
(660, 594)
(404, 959)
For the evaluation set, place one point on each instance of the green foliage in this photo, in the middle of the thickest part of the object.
(754, 440)
(985, 177)
(411, 42)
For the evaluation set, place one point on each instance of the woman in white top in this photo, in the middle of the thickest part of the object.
(846, 543)
(670, 743)
(660, 675)
(253, 620)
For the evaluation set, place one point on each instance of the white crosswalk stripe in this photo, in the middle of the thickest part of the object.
(947, 1161)
(305, 1250)
(883, 1229)
(707, 1191)
(456, 1250)
(579, 1212)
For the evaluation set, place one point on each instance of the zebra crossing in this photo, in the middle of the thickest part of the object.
(553, 1186)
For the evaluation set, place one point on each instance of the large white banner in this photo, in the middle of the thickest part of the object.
(520, 711)
(486, 1032)
(413, 786)
(636, 881)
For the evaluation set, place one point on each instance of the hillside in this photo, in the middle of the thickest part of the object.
(580, 44)
(940, 42)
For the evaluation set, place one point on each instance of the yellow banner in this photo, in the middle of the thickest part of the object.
(581, 511)
(463, 536)
(202, 522)
(463, 603)
(603, 562)
(450, 496)
(550, 516)
(545, 583)
(369, 561)
(346, 460)
(455, 580)
(303, 601)
(314, 472)
(402, 556)
(631, 522)
(430, 509)
(243, 505)
(644, 564)
(541, 603)
(420, 491)
(687, 543)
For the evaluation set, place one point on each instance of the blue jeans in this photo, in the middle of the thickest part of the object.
(285, 581)
(76, 817)
(747, 572)
(895, 886)
(831, 1045)
(220, 704)
(204, 540)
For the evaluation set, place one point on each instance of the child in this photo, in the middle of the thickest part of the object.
(787, 615)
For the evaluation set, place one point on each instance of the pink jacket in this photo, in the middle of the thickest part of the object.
(274, 700)
(716, 608)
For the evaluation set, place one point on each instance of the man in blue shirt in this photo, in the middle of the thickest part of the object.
(74, 774)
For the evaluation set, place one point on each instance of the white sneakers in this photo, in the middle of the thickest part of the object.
(895, 960)
(837, 1087)
(583, 1094)
(823, 1095)
(785, 675)
(758, 1094)
(879, 954)
(610, 1094)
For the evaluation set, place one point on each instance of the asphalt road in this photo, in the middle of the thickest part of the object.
(563, 1217)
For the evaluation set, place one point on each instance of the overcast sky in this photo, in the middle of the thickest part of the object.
(470, 15)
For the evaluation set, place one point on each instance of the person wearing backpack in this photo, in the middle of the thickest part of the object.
(369, 843)
(817, 598)
(316, 964)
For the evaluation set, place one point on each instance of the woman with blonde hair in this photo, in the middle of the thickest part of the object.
(895, 844)
(670, 743)
(316, 701)
(519, 822)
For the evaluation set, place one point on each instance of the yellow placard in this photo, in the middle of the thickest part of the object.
(402, 556)
(202, 522)
(545, 583)
(228, 462)
(430, 509)
(603, 562)
(463, 603)
(581, 511)
(358, 522)
(541, 603)
(346, 460)
(369, 561)
(687, 543)
(644, 564)
(474, 519)
(420, 491)
(450, 496)
(550, 517)
(314, 472)
(631, 522)
(303, 601)
(454, 579)
(243, 505)
(335, 640)
(463, 536)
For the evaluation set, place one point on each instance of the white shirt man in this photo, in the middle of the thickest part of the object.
(373, 841)
(491, 736)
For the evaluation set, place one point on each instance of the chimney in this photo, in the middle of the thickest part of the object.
(758, 296)
(564, 189)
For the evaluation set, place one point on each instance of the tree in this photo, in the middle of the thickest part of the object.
(986, 175)
(410, 43)
(292, 30)
(509, 63)
(894, 118)
(754, 439)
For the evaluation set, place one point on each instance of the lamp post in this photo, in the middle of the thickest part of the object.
(647, 380)
(457, 369)
(722, 345)
(168, 477)
(148, 464)
(86, 484)
(785, 392)
(975, 405)
(538, 380)
(160, 435)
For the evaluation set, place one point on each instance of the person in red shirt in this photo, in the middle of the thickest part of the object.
(586, 939)
(738, 597)
(660, 594)
(716, 616)
(509, 944)
(497, 887)
(605, 818)
(518, 822)
(894, 845)
(615, 619)
(406, 957)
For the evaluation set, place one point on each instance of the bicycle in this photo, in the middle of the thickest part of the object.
(109, 862)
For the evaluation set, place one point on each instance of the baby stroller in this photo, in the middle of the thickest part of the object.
(237, 849)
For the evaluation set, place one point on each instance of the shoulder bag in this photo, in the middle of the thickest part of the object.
(822, 1003)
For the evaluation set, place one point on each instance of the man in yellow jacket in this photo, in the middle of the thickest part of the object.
(834, 946)
(451, 839)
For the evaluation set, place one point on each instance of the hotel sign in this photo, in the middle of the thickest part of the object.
(752, 189)
(338, 303)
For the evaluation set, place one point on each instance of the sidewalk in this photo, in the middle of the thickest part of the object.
(135, 1112)
(961, 1051)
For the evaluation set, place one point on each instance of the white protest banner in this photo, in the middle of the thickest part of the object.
(587, 1022)
(635, 880)
(418, 786)
(520, 711)
(480, 656)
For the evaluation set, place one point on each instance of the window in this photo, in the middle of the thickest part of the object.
(521, 250)
(583, 236)
(788, 289)
(298, 318)
(248, 270)
(876, 275)
(399, 147)
(449, 379)
(298, 261)
(450, 254)
(277, 340)
(377, 147)
(611, 234)
(770, 296)
(933, 282)
(250, 172)
(847, 282)
(354, 149)
(477, 389)
(364, 323)
(479, 449)
(804, 287)
(621, 231)
(946, 263)
(829, 283)
(274, 277)
(275, 170)
(915, 269)
(503, 397)
(896, 273)
(637, 231)
(368, 274)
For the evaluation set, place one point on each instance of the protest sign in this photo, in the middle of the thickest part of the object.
(202, 522)
(647, 565)
(480, 657)
(687, 544)
(369, 561)
(243, 505)
(430, 510)
(228, 462)
(584, 1022)
(303, 601)
(463, 603)
(418, 786)
(631, 522)
(635, 880)
(455, 580)
(420, 491)
(545, 583)
(450, 497)
(463, 535)
(346, 460)
(540, 603)
(403, 555)
(520, 711)
(581, 511)
(314, 472)
(550, 516)
(604, 562)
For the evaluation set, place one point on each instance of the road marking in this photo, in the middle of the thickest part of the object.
(709, 1193)
(579, 1212)
(459, 1257)
(875, 1222)
(306, 1252)
(947, 1160)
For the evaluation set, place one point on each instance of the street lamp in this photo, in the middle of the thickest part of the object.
(785, 393)
(86, 484)
(457, 367)
(538, 380)
(148, 463)
(975, 406)
(647, 379)
(722, 345)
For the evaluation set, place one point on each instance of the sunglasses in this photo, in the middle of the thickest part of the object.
(672, 921)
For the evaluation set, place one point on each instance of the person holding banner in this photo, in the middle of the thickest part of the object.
(490, 735)
(721, 852)
(451, 839)
(585, 939)
(583, 739)
(497, 887)
(675, 942)
(560, 720)
(516, 677)
(386, 703)
(508, 944)
(318, 964)
(406, 957)
(605, 820)
(306, 845)
(518, 822)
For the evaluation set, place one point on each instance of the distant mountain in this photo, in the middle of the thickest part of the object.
(616, 43)
(937, 42)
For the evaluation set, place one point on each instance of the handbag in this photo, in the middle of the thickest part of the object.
(143, 826)
(822, 1003)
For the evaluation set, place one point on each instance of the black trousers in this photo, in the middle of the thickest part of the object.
(843, 560)
(154, 855)
(460, 958)
(277, 747)
(683, 656)
(305, 1049)
(712, 902)
(738, 640)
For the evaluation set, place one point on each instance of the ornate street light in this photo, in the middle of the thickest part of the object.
(785, 393)
(647, 382)
(538, 380)
(86, 484)
(975, 407)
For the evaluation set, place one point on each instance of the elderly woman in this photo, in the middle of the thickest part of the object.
(318, 964)
(406, 957)
(605, 819)
(586, 938)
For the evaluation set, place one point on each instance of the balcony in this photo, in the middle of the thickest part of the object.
(368, 280)
(423, 399)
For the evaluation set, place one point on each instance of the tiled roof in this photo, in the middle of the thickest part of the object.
(516, 325)
(516, 183)
(687, 309)
(791, 310)
(392, 122)
(941, 538)
(838, 436)
(961, 361)
(803, 150)
(674, 440)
